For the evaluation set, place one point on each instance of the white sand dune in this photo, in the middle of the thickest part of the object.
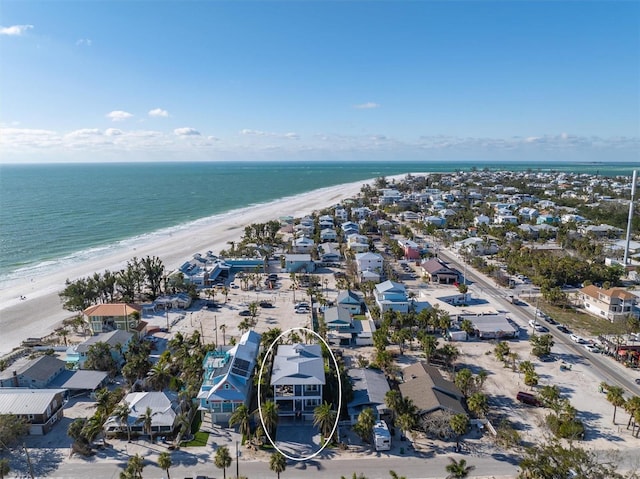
(41, 312)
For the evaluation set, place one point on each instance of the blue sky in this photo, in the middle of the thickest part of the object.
(382, 80)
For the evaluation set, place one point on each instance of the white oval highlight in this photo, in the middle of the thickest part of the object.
(335, 426)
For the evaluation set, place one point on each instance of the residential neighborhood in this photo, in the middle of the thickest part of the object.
(429, 330)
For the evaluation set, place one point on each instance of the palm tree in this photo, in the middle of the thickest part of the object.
(269, 417)
(631, 406)
(324, 417)
(393, 400)
(223, 328)
(135, 466)
(122, 413)
(164, 462)
(458, 469)
(459, 424)
(394, 475)
(147, 419)
(615, 395)
(364, 426)
(241, 417)
(93, 427)
(223, 460)
(478, 405)
(278, 463)
(160, 374)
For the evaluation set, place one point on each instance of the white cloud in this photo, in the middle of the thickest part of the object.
(113, 132)
(186, 131)
(367, 106)
(249, 132)
(119, 115)
(83, 133)
(159, 113)
(15, 30)
(84, 42)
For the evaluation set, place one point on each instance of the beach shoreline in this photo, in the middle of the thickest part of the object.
(31, 307)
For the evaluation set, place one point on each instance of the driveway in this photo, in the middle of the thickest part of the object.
(297, 439)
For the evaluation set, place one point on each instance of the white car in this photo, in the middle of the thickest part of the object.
(592, 348)
(577, 339)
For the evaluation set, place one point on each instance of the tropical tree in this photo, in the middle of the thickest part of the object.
(135, 465)
(270, 417)
(459, 424)
(223, 460)
(324, 417)
(458, 469)
(615, 395)
(478, 404)
(394, 475)
(147, 420)
(277, 463)
(631, 406)
(122, 413)
(5, 468)
(164, 462)
(241, 417)
(12, 428)
(364, 425)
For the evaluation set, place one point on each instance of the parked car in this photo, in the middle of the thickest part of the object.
(245, 312)
(637, 380)
(563, 329)
(528, 398)
(541, 329)
(592, 348)
(577, 339)
(266, 304)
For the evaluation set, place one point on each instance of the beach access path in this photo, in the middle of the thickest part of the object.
(32, 307)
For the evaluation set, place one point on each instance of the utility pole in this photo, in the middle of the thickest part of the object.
(28, 461)
(237, 463)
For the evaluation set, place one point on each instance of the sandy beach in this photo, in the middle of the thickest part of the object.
(32, 308)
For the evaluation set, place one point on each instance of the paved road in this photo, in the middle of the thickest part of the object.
(605, 367)
(375, 467)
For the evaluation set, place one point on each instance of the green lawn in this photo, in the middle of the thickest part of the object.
(200, 439)
(581, 322)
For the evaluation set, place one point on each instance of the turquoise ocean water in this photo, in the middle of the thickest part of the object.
(61, 213)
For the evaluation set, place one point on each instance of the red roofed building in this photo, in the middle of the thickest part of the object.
(109, 317)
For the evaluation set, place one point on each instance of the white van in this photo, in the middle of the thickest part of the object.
(381, 436)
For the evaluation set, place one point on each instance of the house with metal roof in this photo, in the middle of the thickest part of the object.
(429, 391)
(350, 301)
(369, 388)
(297, 379)
(227, 382)
(165, 409)
(41, 408)
(390, 295)
(439, 272)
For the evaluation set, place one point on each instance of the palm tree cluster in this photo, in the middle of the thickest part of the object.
(141, 278)
(84, 431)
(615, 395)
(134, 468)
(405, 413)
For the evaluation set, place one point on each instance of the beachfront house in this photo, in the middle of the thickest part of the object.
(227, 382)
(40, 408)
(35, 373)
(297, 379)
(108, 317)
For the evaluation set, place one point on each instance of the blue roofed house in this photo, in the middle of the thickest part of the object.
(390, 295)
(227, 382)
(297, 378)
(350, 301)
(369, 387)
(299, 263)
